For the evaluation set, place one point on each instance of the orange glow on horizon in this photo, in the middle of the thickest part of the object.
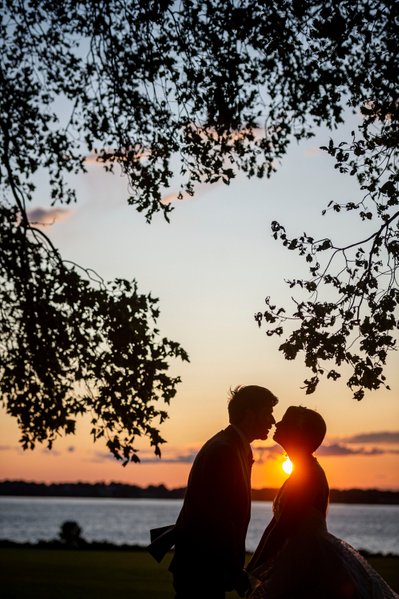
(74, 459)
(43, 466)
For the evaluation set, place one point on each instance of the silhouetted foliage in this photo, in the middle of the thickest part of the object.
(72, 347)
(217, 87)
(71, 534)
(355, 325)
(70, 343)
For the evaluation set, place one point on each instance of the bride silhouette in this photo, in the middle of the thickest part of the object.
(297, 557)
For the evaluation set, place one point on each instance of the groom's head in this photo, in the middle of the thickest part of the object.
(250, 409)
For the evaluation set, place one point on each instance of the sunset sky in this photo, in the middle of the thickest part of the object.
(211, 269)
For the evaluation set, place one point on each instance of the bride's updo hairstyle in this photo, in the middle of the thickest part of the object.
(310, 425)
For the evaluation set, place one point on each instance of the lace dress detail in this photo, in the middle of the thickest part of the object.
(311, 562)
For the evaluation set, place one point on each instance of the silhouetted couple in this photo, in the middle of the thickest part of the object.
(297, 557)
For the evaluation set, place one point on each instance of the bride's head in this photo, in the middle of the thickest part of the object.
(300, 431)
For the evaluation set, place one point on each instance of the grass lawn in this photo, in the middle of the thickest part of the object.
(47, 574)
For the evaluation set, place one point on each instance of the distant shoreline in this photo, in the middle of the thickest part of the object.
(113, 490)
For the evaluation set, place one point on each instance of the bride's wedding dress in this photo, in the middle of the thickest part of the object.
(309, 561)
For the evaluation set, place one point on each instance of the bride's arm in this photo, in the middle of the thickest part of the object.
(290, 513)
(258, 556)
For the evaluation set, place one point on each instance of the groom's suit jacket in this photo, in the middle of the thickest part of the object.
(212, 525)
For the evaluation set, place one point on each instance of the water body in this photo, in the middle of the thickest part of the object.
(29, 519)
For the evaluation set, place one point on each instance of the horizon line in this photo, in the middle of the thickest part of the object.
(179, 488)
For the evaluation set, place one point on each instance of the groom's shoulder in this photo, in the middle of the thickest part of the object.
(225, 438)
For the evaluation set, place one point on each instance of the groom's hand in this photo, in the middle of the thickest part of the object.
(253, 583)
(242, 585)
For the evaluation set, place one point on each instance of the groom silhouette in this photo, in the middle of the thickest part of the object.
(209, 534)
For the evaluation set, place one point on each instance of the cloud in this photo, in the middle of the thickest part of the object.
(44, 217)
(390, 437)
(54, 453)
(336, 449)
(200, 188)
(101, 456)
(173, 197)
(16, 448)
(183, 458)
(137, 152)
(94, 159)
(313, 151)
(148, 457)
(177, 455)
(261, 454)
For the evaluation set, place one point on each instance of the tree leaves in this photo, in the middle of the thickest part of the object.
(144, 85)
(362, 312)
(215, 88)
(71, 347)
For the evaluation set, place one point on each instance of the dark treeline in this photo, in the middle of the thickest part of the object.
(81, 489)
(121, 490)
(369, 496)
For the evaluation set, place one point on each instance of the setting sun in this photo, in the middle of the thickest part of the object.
(287, 465)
